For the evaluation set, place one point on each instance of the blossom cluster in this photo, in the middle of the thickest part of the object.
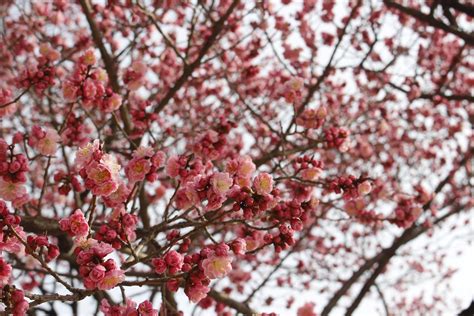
(406, 212)
(6, 97)
(312, 118)
(119, 229)
(145, 308)
(44, 140)
(98, 169)
(144, 164)
(350, 186)
(91, 86)
(97, 272)
(308, 168)
(337, 137)
(13, 170)
(42, 246)
(13, 298)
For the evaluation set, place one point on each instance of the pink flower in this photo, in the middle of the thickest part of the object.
(88, 58)
(263, 184)
(196, 292)
(11, 244)
(6, 96)
(50, 53)
(217, 267)
(137, 169)
(292, 89)
(11, 191)
(364, 188)
(173, 166)
(306, 310)
(99, 173)
(112, 103)
(111, 279)
(134, 77)
(97, 273)
(101, 249)
(69, 91)
(117, 197)
(102, 177)
(105, 189)
(146, 309)
(19, 304)
(311, 174)
(119, 310)
(174, 259)
(239, 246)
(84, 155)
(214, 201)
(158, 159)
(160, 265)
(76, 224)
(221, 182)
(5, 271)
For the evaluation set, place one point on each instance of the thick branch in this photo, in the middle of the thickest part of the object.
(467, 37)
(238, 306)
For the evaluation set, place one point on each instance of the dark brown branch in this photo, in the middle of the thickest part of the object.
(238, 306)
(467, 37)
(383, 257)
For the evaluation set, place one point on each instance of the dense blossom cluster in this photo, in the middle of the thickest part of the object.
(406, 212)
(350, 186)
(239, 152)
(97, 272)
(13, 171)
(91, 85)
(45, 141)
(9, 243)
(145, 308)
(98, 169)
(119, 229)
(144, 164)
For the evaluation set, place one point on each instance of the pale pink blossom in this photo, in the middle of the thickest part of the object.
(11, 191)
(217, 267)
(364, 188)
(311, 174)
(111, 279)
(221, 182)
(263, 183)
(10, 243)
(50, 53)
(173, 166)
(5, 271)
(75, 224)
(137, 169)
(113, 103)
(306, 310)
(49, 143)
(197, 292)
(89, 58)
(84, 154)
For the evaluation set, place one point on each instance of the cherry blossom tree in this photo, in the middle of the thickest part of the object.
(163, 157)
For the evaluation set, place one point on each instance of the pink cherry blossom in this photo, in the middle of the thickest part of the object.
(306, 310)
(111, 279)
(221, 182)
(263, 183)
(197, 292)
(217, 267)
